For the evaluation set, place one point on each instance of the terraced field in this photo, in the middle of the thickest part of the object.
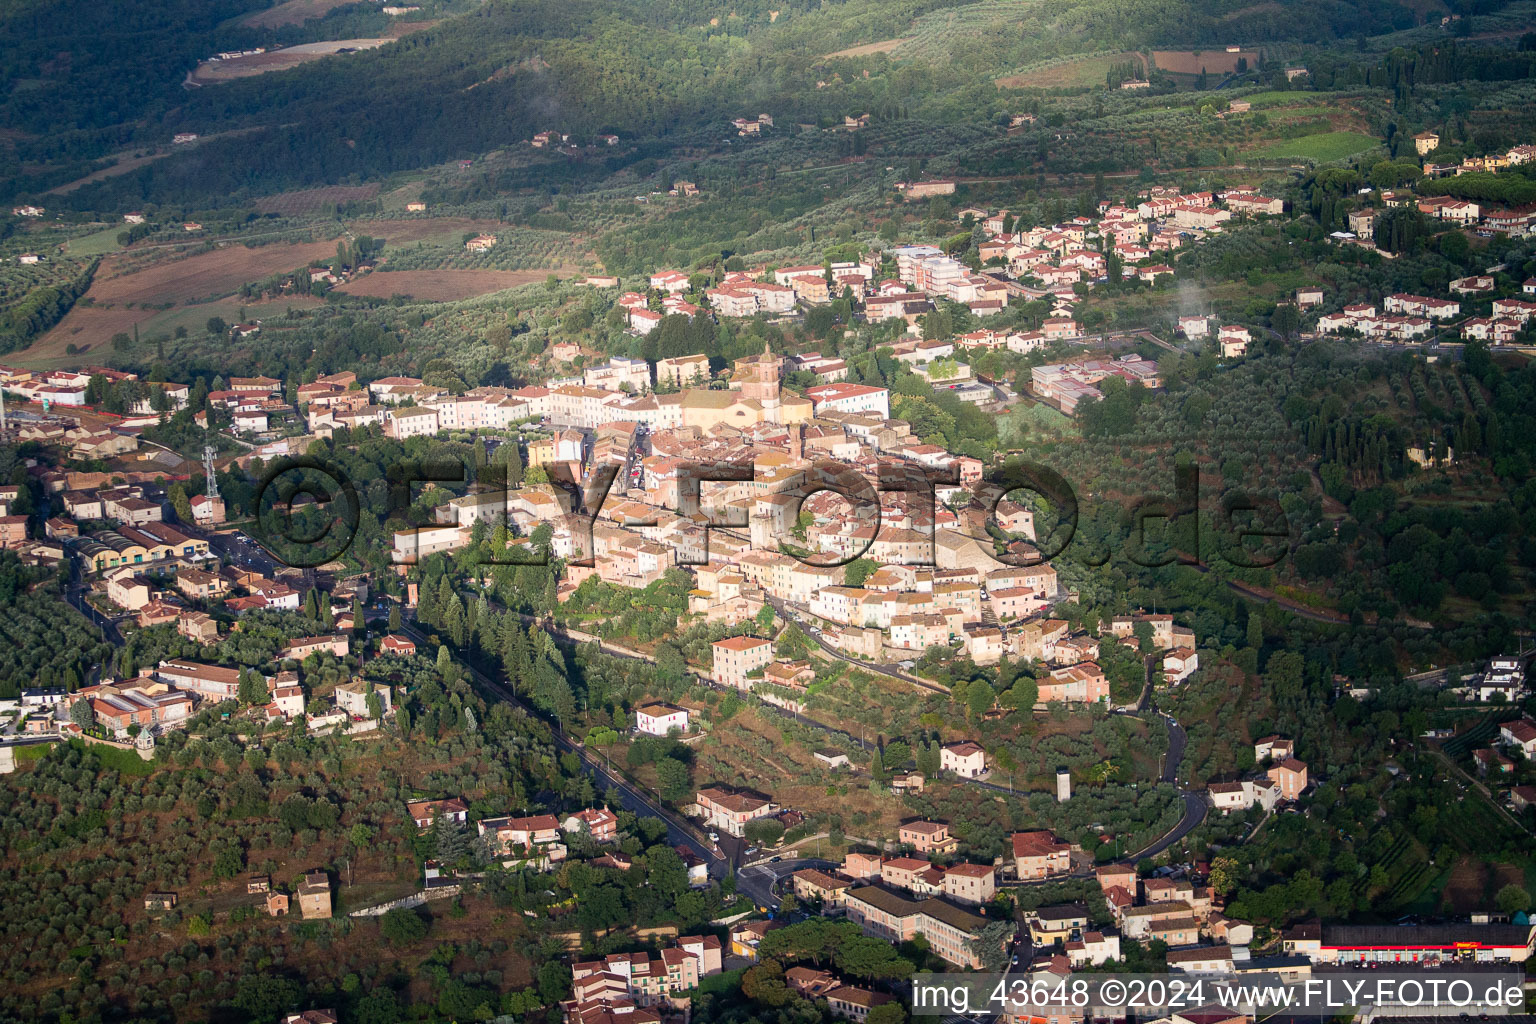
(1322, 148)
(1071, 73)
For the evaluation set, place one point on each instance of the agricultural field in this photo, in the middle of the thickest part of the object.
(1324, 147)
(313, 200)
(1075, 73)
(97, 243)
(869, 49)
(203, 276)
(515, 249)
(292, 12)
(213, 72)
(90, 328)
(1474, 883)
(117, 302)
(125, 163)
(440, 285)
(435, 231)
(1212, 62)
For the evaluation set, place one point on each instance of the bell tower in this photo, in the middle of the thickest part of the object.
(763, 383)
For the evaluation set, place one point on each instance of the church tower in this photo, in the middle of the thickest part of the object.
(762, 382)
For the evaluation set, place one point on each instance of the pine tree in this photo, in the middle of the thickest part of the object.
(445, 596)
(453, 621)
(449, 841)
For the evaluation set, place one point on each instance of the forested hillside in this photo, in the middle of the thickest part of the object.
(494, 76)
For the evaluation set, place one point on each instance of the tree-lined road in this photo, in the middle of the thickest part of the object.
(621, 790)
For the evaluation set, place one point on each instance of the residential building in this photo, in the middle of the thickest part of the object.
(426, 813)
(1039, 855)
(950, 931)
(965, 759)
(1291, 776)
(315, 896)
(729, 810)
(737, 658)
(660, 719)
(927, 837)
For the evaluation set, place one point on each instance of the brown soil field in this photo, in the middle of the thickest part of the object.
(311, 199)
(178, 281)
(1464, 889)
(405, 28)
(202, 275)
(1189, 62)
(85, 327)
(292, 12)
(439, 285)
(884, 46)
(214, 72)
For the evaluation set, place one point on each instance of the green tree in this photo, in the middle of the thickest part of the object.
(252, 689)
(1512, 899)
(1286, 320)
(402, 926)
(859, 570)
(979, 699)
(672, 779)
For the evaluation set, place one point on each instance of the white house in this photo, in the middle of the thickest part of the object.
(965, 759)
(660, 719)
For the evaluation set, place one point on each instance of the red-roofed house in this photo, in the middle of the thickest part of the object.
(1040, 855)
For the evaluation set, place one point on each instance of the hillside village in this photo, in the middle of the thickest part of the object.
(918, 882)
(619, 584)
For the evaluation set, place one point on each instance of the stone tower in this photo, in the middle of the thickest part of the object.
(762, 383)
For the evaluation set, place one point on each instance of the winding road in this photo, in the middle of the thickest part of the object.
(619, 789)
(1195, 804)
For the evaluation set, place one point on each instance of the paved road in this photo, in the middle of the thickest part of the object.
(619, 789)
(757, 881)
(232, 549)
(74, 593)
(789, 614)
(1195, 805)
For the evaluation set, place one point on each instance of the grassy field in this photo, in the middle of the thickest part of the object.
(1082, 73)
(294, 204)
(1321, 148)
(291, 12)
(90, 329)
(97, 244)
(125, 162)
